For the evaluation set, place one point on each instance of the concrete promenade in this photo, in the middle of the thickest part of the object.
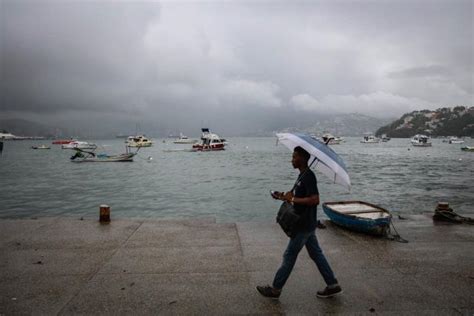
(72, 266)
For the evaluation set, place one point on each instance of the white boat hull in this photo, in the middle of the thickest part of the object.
(135, 145)
(421, 144)
(185, 142)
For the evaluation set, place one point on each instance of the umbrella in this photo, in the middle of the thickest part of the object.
(327, 161)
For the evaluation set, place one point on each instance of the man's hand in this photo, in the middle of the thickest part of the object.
(288, 196)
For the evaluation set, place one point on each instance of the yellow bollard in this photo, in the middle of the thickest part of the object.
(104, 213)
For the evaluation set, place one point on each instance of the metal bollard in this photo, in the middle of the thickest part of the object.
(104, 213)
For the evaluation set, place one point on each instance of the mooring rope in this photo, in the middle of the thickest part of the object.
(394, 237)
(453, 217)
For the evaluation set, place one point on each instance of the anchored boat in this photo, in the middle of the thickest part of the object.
(455, 140)
(330, 139)
(210, 142)
(80, 145)
(359, 216)
(421, 141)
(63, 141)
(90, 156)
(138, 141)
(184, 140)
(467, 148)
(370, 139)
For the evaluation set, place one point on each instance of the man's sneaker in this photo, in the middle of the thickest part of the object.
(329, 291)
(269, 291)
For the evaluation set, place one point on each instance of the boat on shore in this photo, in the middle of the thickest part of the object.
(139, 141)
(210, 142)
(40, 147)
(80, 145)
(370, 139)
(421, 141)
(182, 139)
(359, 216)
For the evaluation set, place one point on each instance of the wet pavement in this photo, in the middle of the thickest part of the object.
(73, 266)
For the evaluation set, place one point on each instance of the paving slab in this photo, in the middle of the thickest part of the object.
(72, 266)
(38, 294)
(52, 262)
(153, 294)
(15, 229)
(175, 260)
(71, 233)
(183, 234)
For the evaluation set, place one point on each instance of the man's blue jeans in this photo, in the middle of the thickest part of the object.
(295, 245)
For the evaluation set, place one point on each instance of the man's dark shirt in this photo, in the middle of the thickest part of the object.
(306, 187)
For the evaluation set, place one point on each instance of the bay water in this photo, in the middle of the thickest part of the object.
(231, 185)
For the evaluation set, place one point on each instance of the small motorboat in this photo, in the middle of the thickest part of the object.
(139, 141)
(80, 145)
(359, 216)
(63, 141)
(370, 139)
(330, 139)
(455, 140)
(184, 140)
(385, 138)
(210, 142)
(421, 141)
(40, 147)
(467, 148)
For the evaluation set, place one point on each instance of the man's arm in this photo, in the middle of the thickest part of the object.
(311, 200)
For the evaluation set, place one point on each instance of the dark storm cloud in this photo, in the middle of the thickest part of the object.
(187, 64)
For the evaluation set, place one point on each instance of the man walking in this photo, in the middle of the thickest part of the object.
(305, 200)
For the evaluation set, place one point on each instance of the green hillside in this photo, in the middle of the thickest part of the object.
(457, 121)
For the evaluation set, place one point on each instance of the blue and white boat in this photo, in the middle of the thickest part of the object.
(359, 216)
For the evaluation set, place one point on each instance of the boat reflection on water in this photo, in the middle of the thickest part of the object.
(40, 147)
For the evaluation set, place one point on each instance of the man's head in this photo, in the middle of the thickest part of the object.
(300, 157)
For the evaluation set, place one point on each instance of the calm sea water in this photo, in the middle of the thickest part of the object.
(231, 185)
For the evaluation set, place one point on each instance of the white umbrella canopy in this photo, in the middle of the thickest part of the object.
(327, 161)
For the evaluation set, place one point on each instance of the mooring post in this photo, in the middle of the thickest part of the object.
(443, 206)
(104, 213)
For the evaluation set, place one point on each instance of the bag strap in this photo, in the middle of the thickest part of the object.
(300, 177)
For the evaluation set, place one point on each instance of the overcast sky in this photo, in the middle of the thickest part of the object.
(231, 64)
